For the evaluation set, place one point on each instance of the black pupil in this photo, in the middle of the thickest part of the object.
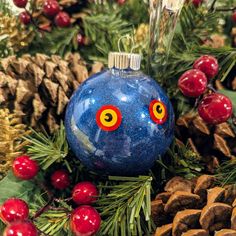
(108, 117)
(158, 109)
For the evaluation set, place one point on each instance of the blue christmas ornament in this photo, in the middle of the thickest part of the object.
(119, 121)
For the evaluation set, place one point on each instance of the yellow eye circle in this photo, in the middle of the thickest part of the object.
(158, 111)
(108, 118)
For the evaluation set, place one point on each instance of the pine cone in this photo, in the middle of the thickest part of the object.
(18, 36)
(214, 143)
(204, 210)
(11, 142)
(38, 87)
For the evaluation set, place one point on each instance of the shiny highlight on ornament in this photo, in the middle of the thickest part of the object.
(158, 111)
(108, 118)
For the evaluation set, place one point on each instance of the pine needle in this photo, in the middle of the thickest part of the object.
(48, 150)
(127, 207)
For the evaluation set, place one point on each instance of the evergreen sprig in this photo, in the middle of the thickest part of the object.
(48, 150)
(104, 31)
(58, 41)
(226, 173)
(55, 219)
(182, 161)
(126, 209)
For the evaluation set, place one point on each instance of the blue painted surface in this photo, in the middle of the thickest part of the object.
(131, 149)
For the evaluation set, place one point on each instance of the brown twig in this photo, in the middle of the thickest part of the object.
(212, 8)
(226, 9)
(33, 21)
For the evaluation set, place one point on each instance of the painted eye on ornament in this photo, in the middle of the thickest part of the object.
(158, 112)
(108, 118)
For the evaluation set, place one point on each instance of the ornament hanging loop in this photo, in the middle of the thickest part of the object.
(127, 37)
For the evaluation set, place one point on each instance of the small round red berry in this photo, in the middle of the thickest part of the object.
(197, 3)
(215, 108)
(85, 220)
(234, 17)
(62, 19)
(23, 228)
(14, 209)
(121, 2)
(80, 39)
(20, 3)
(208, 65)
(192, 83)
(60, 179)
(84, 193)
(25, 18)
(51, 8)
(24, 168)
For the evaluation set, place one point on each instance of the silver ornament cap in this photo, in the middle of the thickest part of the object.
(123, 60)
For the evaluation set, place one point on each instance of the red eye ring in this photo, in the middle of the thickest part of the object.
(108, 118)
(158, 116)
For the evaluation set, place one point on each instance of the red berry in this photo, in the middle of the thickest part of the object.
(85, 220)
(14, 209)
(21, 229)
(25, 18)
(215, 108)
(192, 83)
(80, 39)
(234, 16)
(20, 3)
(208, 65)
(25, 168)
(84, 193)
(121, 2)
(51, 8)
(197, 3)
(62, 19)
(60, 179)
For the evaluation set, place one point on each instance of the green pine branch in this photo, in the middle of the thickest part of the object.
(226, 173)
(126, 209)
(58, 41)
(104, 31)
(182, 161)
(48, 150)
(54, 220)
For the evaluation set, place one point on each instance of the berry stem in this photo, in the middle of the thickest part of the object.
(210, 87)
(33, 21)
(62, 200)
(46, 207)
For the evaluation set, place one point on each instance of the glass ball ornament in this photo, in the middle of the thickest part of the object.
(119, 121)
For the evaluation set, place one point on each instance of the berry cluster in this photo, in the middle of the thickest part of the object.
(15, 213)
(84, 220)
(51, 9)
(213, 108)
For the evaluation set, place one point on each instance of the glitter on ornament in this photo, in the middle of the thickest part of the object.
(119, 121)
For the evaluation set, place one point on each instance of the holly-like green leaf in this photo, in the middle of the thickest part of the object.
(10, 186)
